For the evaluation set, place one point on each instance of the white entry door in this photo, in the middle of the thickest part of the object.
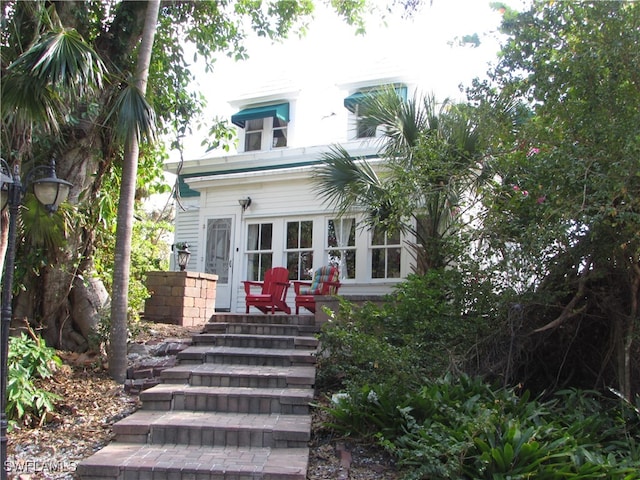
(218, 258)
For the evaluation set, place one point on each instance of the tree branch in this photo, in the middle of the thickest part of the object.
(569, 310)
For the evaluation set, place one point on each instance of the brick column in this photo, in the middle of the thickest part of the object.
(180, 298)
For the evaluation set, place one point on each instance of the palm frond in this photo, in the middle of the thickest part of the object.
(26, 99)
(62, 58)
(133, 113)
(343, 181)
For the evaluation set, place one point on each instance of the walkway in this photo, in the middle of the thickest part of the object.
(236, 407)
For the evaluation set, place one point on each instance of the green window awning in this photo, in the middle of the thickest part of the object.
(280, 111)
(358, 97)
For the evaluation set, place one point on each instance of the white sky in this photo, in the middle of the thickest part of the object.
(331, 53)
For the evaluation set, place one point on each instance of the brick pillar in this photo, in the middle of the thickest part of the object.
(180, 298)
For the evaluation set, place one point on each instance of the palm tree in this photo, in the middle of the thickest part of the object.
(427, 161)
(136, 119)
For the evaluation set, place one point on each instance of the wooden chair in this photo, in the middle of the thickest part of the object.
(273, 291)
(325, 282)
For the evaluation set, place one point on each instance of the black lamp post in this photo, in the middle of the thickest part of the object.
(51, 192)
(183, 255)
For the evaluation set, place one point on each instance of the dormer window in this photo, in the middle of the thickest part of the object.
(265, 127)
(356, 102)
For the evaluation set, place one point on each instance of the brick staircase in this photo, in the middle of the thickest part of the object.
(236, 407)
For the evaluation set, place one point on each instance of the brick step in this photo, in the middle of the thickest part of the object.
(260, 329)
(247, 356)
(218, 430)
(288, 401)
(120, 461)
(255, 341)
(277, 319)
(214, 375)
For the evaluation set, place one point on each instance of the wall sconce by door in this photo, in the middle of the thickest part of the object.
(245, 203)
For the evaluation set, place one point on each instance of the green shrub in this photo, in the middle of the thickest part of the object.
(421, 331)
(29, 359)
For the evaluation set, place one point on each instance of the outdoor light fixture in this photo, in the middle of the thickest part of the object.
(245, 203)
(51, 192)
(183, 255)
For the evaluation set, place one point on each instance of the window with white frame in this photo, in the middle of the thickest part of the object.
(279, 130)
(253, 134)
(355, 103)
(341, 245)
(385, 254)
(364, 129)
(265, 127)
(259, 250)
(299, 249)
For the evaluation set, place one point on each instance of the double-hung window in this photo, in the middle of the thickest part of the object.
(253, 134)
(299, 249)
(357, 102)
(259, 250)
(385, 254)
(265, 127)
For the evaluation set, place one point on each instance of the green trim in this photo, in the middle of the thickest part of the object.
(280, 111)
(185, 191)
(357, 98)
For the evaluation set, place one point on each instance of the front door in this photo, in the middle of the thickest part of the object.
(218, 258)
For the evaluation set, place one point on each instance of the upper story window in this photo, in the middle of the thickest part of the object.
(356, 102)
(264, 127)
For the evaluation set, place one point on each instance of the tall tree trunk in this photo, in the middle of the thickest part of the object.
(121, 270)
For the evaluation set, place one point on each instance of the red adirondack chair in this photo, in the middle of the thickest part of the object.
(273, 291)
(325, 282)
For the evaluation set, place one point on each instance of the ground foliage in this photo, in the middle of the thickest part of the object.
(462, 427)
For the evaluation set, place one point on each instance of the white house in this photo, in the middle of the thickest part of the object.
(303, 100)
(248, 211)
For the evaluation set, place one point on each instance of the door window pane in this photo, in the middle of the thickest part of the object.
(299, 249)
(341, 245)
(218, 251)
(259, 253)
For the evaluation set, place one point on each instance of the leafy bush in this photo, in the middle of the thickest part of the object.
(461, 427)
(421, 331)
(29, 359)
